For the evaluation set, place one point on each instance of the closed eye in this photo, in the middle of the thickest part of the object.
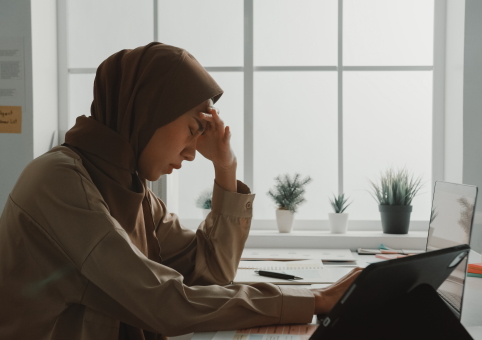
(200, 125)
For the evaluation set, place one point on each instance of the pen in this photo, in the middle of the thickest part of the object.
(277, 275)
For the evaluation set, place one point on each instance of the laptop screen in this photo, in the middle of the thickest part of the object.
(450, 225)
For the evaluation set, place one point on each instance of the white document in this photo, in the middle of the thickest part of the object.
(12, 71)
(277, 254)
(312, 272)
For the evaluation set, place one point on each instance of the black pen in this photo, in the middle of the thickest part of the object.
(277, 275)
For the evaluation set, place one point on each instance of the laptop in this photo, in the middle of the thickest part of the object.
(451, 221)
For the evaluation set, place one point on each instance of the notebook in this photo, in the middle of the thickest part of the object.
(312, 271)
(271, 254)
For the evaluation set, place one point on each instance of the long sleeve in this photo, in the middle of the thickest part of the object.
(209, 255)
(120, 282)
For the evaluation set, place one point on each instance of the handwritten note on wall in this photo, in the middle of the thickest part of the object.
(10, 119)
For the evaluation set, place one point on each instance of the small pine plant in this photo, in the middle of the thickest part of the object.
(289, 192)
(205, 199)
(339, 203)
(396, 187)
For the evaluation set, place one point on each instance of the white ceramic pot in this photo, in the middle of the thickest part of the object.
(284, 218)
(205, 212)
(338, 222)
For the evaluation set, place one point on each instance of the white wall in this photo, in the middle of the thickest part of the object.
(454, 77)
(472, 97)
(44, 58)
(463, 101)
(35, 22)
(16, 150)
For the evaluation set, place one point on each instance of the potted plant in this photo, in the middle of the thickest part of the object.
(204, 202)
(287, 194)
(339, 219)
(394, 194)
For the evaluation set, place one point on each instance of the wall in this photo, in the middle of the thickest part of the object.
(44, 58)
(16, 150)
(454, 78)
(472, 96)
(36, 23)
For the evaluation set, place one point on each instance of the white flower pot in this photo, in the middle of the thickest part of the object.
(284, 218)
(338, 222)
(205, 213)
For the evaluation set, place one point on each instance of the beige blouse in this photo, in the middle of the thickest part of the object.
(69, 271)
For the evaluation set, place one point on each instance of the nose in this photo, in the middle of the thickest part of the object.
(189, 152)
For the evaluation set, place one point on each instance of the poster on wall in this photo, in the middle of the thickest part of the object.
(12, 84)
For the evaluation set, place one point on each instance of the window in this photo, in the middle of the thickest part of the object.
(335, 89)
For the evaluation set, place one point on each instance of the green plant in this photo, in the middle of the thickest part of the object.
(396, 187)
(289, 192)
(205, 199)
(338, 203)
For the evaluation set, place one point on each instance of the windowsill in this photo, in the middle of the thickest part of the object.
(316, 234)
(314, 225)
(324, 239)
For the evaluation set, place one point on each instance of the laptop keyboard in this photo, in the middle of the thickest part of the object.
(451, 298)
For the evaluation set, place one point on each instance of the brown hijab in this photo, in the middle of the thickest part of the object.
(135, 93)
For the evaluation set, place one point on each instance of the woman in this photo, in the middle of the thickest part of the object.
(89, 252)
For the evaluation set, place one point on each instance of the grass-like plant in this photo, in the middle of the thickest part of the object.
(339, 203)
(396, 187)
(289, 192)
(205, 199)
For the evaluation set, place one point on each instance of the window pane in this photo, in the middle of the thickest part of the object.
(295, 32)
(81, 94)
(196, 176)
(211, 30)
(387, 122)
(381, 32)
(295, 131)
(97, 29)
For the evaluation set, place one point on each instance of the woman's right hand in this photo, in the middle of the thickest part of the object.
(326, 298)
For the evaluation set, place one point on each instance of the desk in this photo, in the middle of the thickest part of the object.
(471, 308)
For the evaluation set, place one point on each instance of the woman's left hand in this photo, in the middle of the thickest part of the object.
(214, 143)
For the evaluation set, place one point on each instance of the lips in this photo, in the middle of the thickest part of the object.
(176, 166)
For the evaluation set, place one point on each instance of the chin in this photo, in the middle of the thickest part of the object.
(155, 177)
(151, 177)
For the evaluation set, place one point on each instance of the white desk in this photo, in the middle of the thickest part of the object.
(471, 307)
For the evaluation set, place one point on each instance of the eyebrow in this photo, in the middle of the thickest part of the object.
(201, 126)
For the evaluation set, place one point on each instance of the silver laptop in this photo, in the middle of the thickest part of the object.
(451, 220)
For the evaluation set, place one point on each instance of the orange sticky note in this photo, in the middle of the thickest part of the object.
(10, 119)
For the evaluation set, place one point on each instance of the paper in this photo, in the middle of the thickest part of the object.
(297, 254)
(12, 84)
(311, 271)
(363, 251)
(11, 119)
(277, 332)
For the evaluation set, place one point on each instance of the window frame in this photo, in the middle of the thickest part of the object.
(166, 187)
